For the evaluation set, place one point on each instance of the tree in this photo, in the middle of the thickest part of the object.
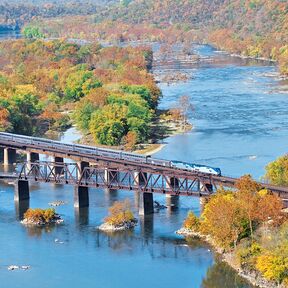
(247, 197)
(130, 140)
(277, 171)
(32, 32)
(119, 213)
(108, 125)
(223, 219)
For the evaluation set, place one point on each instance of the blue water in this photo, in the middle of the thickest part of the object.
(240, 118)
(240, 124)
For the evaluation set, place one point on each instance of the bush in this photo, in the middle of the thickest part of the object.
(247, 254)
(40, 215)
(192, 222)
(273, 267)
(119, 213)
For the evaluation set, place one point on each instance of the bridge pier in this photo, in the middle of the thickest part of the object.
(20, 208)
(81, 197)
(32, 157)
(21, 190)
(58, 169)
(110, 176)
(81, 215)
(146, 203)
(172, 201)
(82, 165)
(9, 156)
(140, 178)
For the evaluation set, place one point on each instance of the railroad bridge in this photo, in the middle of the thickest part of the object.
(106, 168)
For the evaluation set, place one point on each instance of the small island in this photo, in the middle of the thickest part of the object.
(41, 217)
(120, 217)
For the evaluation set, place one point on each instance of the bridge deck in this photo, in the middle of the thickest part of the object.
(112, 159)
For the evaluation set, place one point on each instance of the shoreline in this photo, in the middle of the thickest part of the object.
(253, 277)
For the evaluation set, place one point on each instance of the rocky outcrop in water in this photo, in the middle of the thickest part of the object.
(122, 227)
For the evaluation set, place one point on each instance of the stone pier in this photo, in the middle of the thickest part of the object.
(81, 197)
(9, 156)
(21, 190)
(146, 203)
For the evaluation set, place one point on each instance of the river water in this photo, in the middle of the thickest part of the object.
(240, 125)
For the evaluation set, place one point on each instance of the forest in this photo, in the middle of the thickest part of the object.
(253, 28)
(15, 13)
(108, 92)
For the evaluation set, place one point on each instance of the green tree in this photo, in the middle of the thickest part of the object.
(277, 171)
(32, 32)
(108, 125)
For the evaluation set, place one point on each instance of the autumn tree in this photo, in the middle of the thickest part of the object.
(277, 171)
(247, 197)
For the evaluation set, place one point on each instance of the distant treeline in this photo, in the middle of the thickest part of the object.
(248, 27)
(15, 13)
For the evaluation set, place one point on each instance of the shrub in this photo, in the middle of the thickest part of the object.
(247, 255)
(119, 213)
(192, 222)
(273, 267)
(40, 215)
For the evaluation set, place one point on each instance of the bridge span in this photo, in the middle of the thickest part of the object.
(106, 168)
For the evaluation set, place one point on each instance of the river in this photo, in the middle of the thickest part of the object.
(240, 124)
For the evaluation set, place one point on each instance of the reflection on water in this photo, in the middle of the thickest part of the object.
(220, 275)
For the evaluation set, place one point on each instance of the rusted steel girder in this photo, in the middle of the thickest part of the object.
(125, 178)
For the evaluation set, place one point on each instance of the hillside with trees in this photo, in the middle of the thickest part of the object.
(110, 91)
(15, 14)
(253, 28)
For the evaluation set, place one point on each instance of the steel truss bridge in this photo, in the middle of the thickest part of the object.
(106, 169)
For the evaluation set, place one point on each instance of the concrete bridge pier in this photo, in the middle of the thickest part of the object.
(140, 178)
(110, 176)
(20, 208)
(172, 201)
(58, 169)
(32, 157)
(81, 215)
(9, 156)
(146, 204)
(81, 197)
(82, 165)
(21, 190)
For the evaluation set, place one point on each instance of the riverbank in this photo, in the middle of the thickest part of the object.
(253, 277)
